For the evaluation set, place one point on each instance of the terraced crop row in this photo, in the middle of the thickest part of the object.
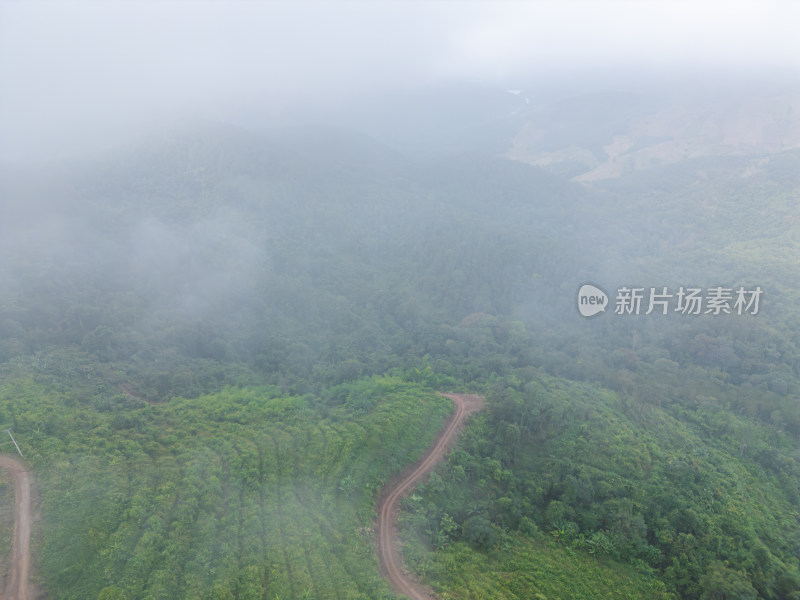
(242, 495)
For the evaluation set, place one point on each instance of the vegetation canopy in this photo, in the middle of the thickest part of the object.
(216, 347)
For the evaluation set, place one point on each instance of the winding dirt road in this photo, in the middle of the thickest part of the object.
(16, 579)
(388, 551)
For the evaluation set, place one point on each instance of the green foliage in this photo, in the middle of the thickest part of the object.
(6, 515)
(722, 583)
(188, 368)
(478, 532)
(231, 495)
(667, 496)
(523, 569)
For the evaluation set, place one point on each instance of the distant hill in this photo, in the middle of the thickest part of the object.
(591, 138)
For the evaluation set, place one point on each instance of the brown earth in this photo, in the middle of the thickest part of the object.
(389, 506)
(16, 579)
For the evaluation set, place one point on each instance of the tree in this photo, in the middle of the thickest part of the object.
(478, 532)
(723, 583)
(112, 592)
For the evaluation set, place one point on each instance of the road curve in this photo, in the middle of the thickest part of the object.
(16, 580)
(388, 553)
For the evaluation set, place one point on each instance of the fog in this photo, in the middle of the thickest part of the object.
(84, 76)
(244, 245)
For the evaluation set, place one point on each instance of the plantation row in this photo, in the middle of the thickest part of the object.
(242, 495)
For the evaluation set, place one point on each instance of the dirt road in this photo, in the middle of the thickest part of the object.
(16, 579)
(389, 554)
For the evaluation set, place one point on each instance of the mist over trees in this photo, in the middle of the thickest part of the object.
(218, 343)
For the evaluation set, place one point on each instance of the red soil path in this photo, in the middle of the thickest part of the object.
(388, 551)
(16, 579)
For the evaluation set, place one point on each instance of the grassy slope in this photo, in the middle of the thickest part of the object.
(244, 494)
(539, 570)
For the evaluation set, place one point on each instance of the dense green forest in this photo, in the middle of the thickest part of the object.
(218, 345)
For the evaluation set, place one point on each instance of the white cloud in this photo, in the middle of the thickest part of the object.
(516, 36)
(74, 71)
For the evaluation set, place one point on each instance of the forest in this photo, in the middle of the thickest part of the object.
(216, 346)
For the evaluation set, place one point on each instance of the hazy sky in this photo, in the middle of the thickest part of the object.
(76, 74)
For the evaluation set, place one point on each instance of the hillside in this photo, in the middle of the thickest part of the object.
(648, 130)
(216, 345)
